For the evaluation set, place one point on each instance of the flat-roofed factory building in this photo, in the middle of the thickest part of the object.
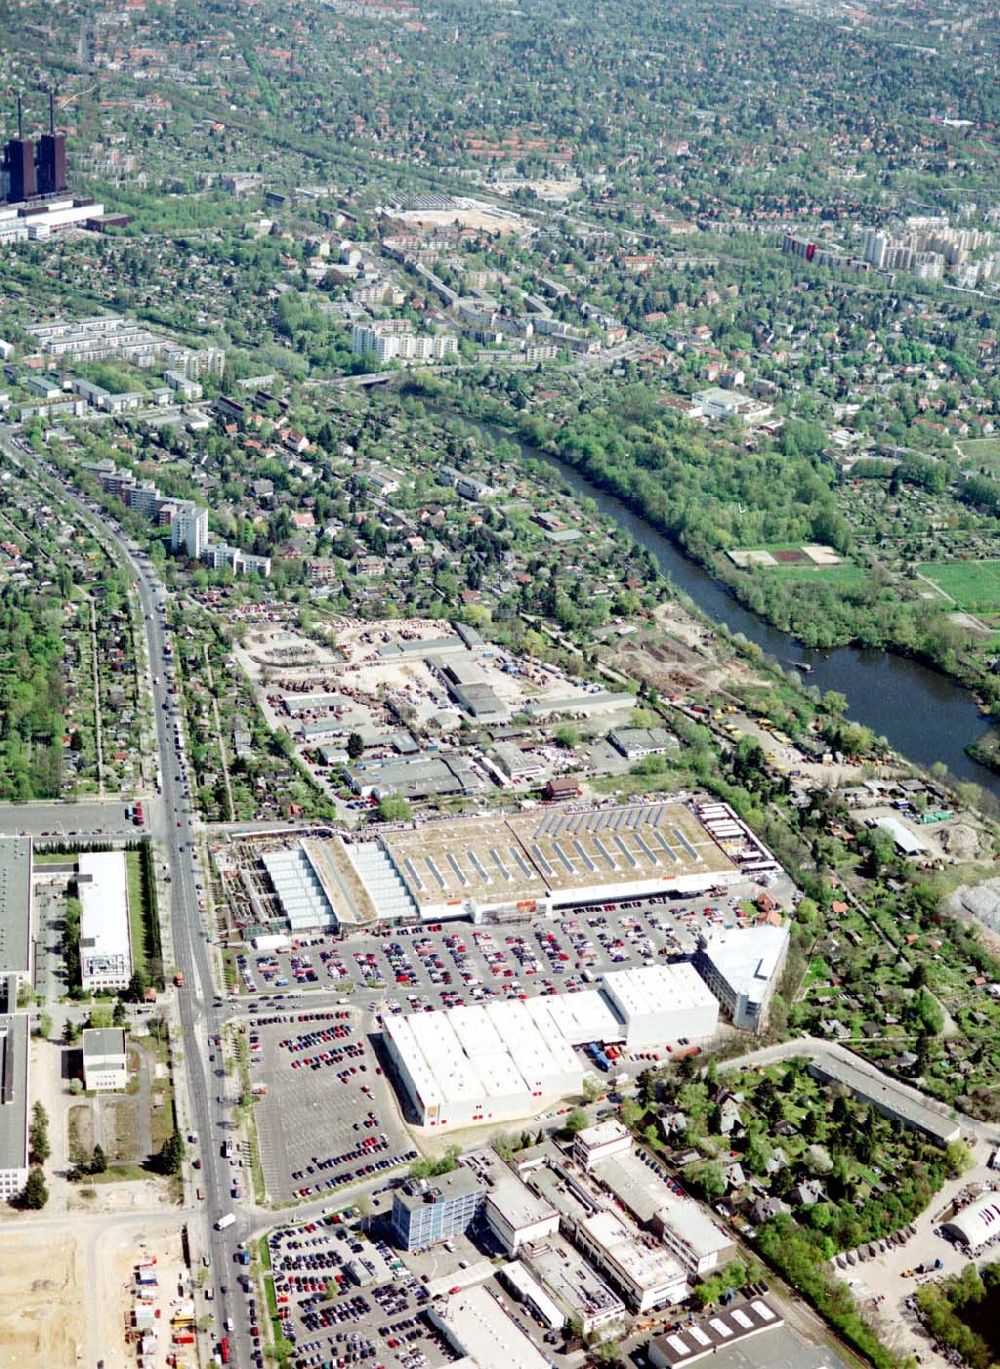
(548, 860)
(662, 1003)
(16, 907)
(105, 940)
(516, 1215)
(469, 1065)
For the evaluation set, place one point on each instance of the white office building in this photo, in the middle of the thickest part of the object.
(105, 941)
(601, 1142)
(645, 1273)
(516, 1215)
(105, 1059)
(742, 967)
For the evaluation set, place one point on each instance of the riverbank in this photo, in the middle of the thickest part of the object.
(924, 714)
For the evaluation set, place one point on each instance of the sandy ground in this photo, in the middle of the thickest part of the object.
(41, 1298)
(468, 218)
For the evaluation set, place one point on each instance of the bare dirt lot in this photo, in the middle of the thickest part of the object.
(41, 1298)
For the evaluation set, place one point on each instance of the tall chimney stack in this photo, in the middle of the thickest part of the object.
(52, 111)
(20, 121)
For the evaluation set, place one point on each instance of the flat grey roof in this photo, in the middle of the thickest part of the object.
(15, 904)
(455, 1184)
(101, 1041)
(14, 1091)
(883, 1092)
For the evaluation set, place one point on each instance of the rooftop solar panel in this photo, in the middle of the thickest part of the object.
(453, 862)
(436, 872)
(653, 857)
(412, 872)
(500, 865)
(625, 851)
(667, 847)
(487, 879)
(563, 857)
(578, 846)
(540, 857)
(685, 843)
(604, 852)
(525, 868)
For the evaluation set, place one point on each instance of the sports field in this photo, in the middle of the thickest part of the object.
(973, 585)
(980, 451)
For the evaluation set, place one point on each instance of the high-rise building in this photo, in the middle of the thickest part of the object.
(189, 530)
(19, 165)
(52, 156)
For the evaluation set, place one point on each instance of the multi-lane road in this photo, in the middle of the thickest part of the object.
(171, 823)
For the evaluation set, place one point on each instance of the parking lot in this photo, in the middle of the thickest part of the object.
(411, 969)
(343, 1299)
(325, 1116)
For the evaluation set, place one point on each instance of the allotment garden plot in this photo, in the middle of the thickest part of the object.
(973, 586)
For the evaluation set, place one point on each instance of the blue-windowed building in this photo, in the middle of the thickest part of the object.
(426, 1211)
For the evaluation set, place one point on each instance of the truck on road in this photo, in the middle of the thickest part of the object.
(227, 1220)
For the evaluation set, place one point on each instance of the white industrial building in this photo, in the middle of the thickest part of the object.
(742, 967)
(977, 1224)
(13, 1095)
(601, 1142)
(474, 1324)
(511, 1058)
(573, 1284)
(528, 1290)
(466, 1065)
(661, 1003)
(644, 1272)
(105, 1059)
(105, 938)
(516, 1215)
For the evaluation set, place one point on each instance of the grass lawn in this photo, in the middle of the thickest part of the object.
(974, 585)
(844, 576)
(981, 451)
(140, 950)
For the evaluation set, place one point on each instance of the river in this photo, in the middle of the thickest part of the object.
(922, 714)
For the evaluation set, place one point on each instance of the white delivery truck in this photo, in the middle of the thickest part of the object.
(225, 1221)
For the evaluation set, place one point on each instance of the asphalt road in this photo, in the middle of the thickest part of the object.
(171, 821)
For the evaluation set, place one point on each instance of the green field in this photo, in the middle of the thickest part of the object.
(844, 576)
(974, 585)
(981, 451)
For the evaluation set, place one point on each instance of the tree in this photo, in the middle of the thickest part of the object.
(575, 1122)
(171, 1153)
(355, 745)
(101, 1016)
(34, 1195)
(38, 1136)
(591, 1090)
(44, 1027)
(98, 1161)
(137, 987)
(958, 1158)
(394, 808)
(119, 1017)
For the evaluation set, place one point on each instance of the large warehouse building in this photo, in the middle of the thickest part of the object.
(497, 868)
(105, 940)
(462, 1066)
(15, 907)
(662, 1003)
(511, 1058)
(13, 1092)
